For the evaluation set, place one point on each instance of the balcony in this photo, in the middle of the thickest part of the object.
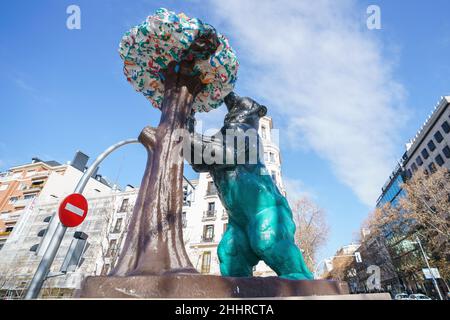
(208, 239)
(11, 216)
(40, 175)
(211, 192)
(21, 203)
(209, 215)
(32, 189)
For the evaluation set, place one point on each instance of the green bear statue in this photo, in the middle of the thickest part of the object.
(260, 225)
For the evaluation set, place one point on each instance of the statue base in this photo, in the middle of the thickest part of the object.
(198, 286)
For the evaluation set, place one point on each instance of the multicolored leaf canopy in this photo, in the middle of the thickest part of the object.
(165, 37)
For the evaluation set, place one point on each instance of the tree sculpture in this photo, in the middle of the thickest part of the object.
(179, 64)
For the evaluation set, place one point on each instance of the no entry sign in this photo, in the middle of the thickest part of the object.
(73, 210)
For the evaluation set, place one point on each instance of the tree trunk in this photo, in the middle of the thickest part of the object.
(154, 243)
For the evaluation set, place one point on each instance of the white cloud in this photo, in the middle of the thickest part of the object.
(317, 67)
(296, 189)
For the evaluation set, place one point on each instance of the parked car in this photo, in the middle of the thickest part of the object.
(419, 296)
(401, 296)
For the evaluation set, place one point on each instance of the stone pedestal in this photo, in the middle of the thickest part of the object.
(205, 286)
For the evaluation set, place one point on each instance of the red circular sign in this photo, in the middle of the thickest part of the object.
(73, 210)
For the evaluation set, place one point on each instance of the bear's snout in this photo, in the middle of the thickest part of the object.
(230, 100)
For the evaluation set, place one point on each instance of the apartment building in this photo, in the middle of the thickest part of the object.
(20, 185)
(87, 250)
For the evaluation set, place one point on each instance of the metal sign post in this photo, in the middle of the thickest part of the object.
(49, 255)
(428, 266)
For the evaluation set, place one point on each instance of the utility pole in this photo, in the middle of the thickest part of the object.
(428, 266)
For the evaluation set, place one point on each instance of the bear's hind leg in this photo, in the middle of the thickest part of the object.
(235, 254)
(271, 236)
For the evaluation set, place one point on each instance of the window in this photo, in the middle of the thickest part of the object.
(446, 152)
(9, 229)
(274, 176)
(208, 232)
(263, 132)
(431, 145)
(112, 248)
(211, 207)
(438, 136)
(186, 194)
(13, 200)
(439, 160)
(414, 167)
(432, 167)
(419, 161)
(266, 157)
(124, 205)
(211, 189)
(225, 225)
(425, 154)
(118, 226)
(408, 174)
(29, 196)
(446, 127)
(105, 269)
(183, 219)
(206, 262)
(38, 183)
(272, 157)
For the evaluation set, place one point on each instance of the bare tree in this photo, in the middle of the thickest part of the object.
(341, 268)
(312, 228)
(424, 210)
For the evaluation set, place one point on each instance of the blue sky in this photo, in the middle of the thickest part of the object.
(345, 98)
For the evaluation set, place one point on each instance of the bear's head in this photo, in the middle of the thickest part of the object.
(243, 110)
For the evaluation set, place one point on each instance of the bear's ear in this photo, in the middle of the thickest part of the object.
(262, 111)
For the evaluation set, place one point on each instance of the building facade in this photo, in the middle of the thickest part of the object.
(20, 185)
(428, 150)
(99, 239)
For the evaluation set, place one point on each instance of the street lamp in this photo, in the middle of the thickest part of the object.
(428, 266)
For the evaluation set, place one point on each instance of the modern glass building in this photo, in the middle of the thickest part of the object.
(429, 149)
(392, 190)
